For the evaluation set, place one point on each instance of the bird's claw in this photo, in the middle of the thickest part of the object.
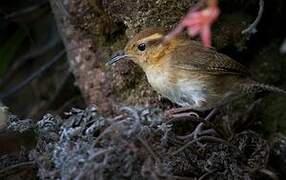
(182, 113)
(179, 113)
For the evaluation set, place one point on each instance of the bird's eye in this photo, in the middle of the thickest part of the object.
(142, 46)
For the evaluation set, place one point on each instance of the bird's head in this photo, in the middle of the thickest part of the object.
(145, 49)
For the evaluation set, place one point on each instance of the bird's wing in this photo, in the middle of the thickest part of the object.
(193, 56)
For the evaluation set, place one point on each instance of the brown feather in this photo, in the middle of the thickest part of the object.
(191, 55)
(189, 74)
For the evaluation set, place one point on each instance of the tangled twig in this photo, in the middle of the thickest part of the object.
(251, 29)
(32, 76)
(269, 174)
(203, 138)
(148, 148)
(19, 165)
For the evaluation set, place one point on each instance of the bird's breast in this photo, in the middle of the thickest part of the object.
(183, 91)
(158, 80)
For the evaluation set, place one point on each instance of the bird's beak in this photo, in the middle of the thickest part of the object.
(116, 57)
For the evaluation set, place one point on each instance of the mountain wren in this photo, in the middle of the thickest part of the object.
(187, 73)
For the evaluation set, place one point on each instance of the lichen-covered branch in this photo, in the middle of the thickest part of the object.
(137, 144)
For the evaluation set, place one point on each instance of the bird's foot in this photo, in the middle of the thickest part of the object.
(194, 135)
(198, 131)
(178, 113)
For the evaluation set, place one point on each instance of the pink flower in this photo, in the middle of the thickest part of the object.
(198, 23)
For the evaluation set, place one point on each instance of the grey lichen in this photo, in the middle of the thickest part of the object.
(19, 125)
(138, 144)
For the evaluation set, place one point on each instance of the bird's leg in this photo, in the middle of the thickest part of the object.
(185, 113)
(202, 133)
(180, 112)
(199, 129)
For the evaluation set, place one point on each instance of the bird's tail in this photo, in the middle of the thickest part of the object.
(255, 87)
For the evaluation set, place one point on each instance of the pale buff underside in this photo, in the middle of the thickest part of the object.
(188, 91)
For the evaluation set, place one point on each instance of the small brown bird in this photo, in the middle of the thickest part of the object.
(187, 73)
